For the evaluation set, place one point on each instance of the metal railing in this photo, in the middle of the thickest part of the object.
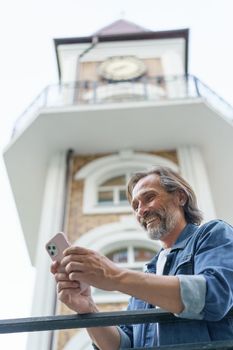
(158, 88)
(103, 319)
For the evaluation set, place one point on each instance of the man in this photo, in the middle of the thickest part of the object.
(191, 277)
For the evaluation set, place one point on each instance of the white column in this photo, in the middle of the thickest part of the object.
(173, 66)
(192, 168)
(51, 222)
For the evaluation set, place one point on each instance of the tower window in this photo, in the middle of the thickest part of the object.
(131, 257)
(118, 256)
(113, 191)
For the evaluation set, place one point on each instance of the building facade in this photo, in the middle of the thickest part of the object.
(125, 102)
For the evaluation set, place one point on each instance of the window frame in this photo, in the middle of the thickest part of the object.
(115, 190)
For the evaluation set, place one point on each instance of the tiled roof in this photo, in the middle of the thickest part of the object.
(121, 26)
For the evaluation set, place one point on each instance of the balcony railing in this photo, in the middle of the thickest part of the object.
(147, 89)
(103, 319)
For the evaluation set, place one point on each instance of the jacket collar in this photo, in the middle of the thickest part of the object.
(180, 243)
(184, 236)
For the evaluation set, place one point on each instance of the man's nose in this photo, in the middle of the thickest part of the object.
(142, 211)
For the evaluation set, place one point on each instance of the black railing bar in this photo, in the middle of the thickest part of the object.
(101, 319)
(216, 345)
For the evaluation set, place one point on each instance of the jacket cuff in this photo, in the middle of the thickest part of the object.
(193, 293)
(125, 342)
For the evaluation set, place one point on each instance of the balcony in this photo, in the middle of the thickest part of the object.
(84, 93)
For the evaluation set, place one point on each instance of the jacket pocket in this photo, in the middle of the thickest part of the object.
(185, 266)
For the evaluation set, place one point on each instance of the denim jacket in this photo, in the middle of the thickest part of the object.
(202, 259)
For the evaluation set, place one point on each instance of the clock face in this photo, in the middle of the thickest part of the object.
(120, 68)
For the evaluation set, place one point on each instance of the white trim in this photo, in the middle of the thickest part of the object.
(107, 209)
(44, 290)
(99, 170)
(193, 169)
(145, 159)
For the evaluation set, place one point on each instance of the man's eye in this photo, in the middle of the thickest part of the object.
(150, 198)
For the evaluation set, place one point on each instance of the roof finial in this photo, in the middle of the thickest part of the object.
(122, 14)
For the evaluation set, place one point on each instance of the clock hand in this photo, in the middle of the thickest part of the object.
(120, 68)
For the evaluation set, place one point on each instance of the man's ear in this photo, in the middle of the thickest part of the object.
(182, 198)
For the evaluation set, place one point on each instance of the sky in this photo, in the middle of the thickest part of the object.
(28, 65)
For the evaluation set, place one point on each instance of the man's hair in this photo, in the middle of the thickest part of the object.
(171, 182)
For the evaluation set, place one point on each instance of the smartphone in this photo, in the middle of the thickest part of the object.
(55, 248)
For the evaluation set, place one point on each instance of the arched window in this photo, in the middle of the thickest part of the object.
(105, 180)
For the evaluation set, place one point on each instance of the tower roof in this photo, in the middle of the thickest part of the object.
(121, 26)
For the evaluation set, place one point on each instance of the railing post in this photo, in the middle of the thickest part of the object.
(95, 85)
(45, 99)
(145, 87)
(196, 86)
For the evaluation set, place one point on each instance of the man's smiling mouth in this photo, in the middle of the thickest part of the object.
(151, 221)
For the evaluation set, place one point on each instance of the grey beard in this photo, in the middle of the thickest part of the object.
(156, 233)
(166, 225)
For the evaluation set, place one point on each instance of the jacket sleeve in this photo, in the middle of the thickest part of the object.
(126, 334)
(126, 331)
(193, 294)
(208, 294)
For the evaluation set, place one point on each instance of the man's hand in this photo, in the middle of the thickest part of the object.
(68, 287)
(69, 292)
(88, 266)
